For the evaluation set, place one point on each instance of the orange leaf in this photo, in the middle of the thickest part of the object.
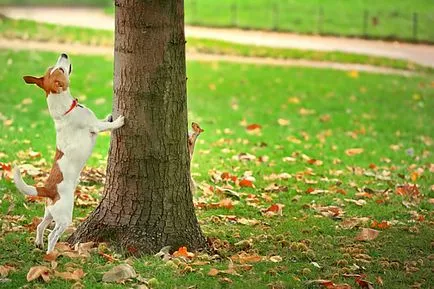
(6, 167)
(380, 225)
(364, 284)
(407, 190)
(275, 209)
(253, 126)
(246, 183)
(310, 190)
(226, 176)
(108, 257)
(182, 252)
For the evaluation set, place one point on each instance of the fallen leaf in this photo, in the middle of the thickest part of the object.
(353, 222)
(52, 256)
(243, 258)
(5, 269)
(276, 259)
(226, 280)
(367, 234)
(379, 280)
(357, 202)
(76, 275)
(353, 74)
(330, 211)
(407, 190)
(38, 271)
(182, 252)
(213, 272)
(354, 151)
(253, 126)
(119, 273)
(275, 209)
(283, 122)
(380, 225)
(364, 283)
(226, 203)
(246, 184)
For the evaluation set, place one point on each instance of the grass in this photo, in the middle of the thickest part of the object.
(357, 18)
(327, 112)
(330, 17)
(24, 29)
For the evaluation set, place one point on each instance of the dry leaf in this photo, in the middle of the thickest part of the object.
(243, 258)
(276, 259)
(367, 234)
(119, 273)
(283, 122)
(355, 151)
(353, 222)
(72, 276)
(38, 271)
(226, 203)
(5, 269)
(52, 256)
(213, 272)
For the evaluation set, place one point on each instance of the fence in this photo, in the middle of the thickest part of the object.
(321, 20)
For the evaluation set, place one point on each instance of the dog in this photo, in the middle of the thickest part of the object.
(76, 131)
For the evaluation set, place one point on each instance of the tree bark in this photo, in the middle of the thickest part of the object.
(147, 200)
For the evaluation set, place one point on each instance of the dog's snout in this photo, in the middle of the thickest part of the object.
(64, 55)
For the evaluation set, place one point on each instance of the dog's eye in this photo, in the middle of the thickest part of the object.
(61, 69)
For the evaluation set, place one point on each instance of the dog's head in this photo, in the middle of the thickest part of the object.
(56, 79)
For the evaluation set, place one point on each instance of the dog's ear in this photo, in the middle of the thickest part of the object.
(34, 80)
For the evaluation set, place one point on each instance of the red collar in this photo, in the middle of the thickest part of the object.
(73, 105)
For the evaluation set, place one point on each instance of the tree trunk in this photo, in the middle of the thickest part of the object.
(147, 200)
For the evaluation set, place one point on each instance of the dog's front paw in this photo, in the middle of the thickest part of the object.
(109, 118)
(119, 122)
(39, 245)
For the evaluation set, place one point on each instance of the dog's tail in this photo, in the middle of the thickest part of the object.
(21, 185)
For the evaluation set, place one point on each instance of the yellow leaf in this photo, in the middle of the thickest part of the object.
(353, 74)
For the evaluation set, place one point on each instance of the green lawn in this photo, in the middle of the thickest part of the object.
(25, 30)
(394, 19)
(322, 114)
(383, 19)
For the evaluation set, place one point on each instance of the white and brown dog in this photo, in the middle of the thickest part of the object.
(76, 130)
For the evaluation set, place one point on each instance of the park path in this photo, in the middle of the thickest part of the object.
(96, 18)
(17, 44)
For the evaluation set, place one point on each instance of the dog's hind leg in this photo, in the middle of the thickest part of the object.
(39, 242)
(54, 236)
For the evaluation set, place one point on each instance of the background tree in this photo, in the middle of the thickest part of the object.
(147, 201)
